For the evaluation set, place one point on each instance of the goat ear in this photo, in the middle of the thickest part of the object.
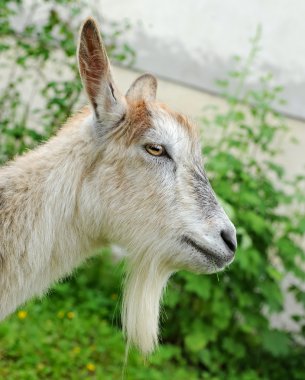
(143, 88)
(94, 68)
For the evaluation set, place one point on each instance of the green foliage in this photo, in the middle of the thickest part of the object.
(217, 327)
(40, 85)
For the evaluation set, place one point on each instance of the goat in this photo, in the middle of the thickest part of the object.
(125, 170)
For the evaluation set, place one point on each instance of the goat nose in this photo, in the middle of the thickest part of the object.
(229, 237)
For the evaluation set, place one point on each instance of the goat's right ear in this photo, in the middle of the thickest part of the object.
(94, 67)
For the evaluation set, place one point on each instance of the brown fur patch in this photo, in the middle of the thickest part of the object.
(136, 122)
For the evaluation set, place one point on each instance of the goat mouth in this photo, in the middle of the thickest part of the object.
(218, 261)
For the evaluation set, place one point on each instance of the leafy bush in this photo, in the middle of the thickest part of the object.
(40, 84)
(217, 327)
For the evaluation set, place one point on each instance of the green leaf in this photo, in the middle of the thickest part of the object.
(276, 342)
(199, 285)
(196, 341)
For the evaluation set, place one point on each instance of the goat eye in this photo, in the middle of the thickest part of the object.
(155, 150)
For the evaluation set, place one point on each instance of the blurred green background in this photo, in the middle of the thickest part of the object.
(213, 327)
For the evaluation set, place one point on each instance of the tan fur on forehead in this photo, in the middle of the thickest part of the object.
(181, 120)
(136, 122)
(140, 116)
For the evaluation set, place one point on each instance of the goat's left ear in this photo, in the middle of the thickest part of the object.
(143, 88)
(94, 67)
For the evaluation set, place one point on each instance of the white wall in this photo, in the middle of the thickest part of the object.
(194, 41)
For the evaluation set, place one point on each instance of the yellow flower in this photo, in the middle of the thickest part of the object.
(76, 350)
(22, 314)
(40, 366)
(90, 367)
(60, 314)
(70, 314)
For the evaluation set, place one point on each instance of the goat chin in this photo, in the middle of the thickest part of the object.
(145, 281)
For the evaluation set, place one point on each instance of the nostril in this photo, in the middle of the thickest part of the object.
(230, 239)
